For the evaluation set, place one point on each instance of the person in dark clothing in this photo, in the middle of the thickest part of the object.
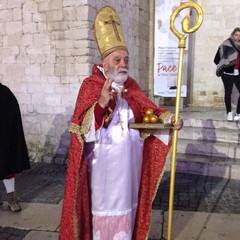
(13, 149)
(227, 60)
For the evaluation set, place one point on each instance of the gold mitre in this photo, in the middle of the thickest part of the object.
(108, 32)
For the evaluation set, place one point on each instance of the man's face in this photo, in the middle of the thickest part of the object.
(116, 66)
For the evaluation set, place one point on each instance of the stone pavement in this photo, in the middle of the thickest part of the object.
(205, 207)
(40, 191)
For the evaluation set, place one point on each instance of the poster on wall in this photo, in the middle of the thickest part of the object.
(166, 51)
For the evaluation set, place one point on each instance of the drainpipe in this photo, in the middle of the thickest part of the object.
(151, 50)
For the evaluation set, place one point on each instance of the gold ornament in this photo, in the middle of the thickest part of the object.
(150, 117)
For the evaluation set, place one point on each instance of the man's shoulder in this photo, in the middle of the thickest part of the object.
(93, 80)
(131, 82)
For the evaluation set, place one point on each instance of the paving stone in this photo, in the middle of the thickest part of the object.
(44, 183)
(8, 233)
(200, 193)
(37, 235)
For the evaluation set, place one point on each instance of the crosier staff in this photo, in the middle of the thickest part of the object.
(182, 45)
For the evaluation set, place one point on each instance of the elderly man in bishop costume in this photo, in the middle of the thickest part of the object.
(113, 170)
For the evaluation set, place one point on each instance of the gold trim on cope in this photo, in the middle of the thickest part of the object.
(85, 126)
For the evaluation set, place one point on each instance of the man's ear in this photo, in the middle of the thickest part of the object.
(105, 67)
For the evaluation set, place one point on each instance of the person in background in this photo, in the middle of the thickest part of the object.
(113, 170)
(227, 59)
(13, 150)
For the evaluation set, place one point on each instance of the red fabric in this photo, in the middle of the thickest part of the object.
(99, 115)
(10, 176)
(154, 158)
(76, 215)
(237, 64)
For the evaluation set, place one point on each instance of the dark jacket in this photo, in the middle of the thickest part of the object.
(13, 150)
(226, 57)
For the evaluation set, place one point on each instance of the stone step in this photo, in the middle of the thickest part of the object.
(208, 165)
(206, 132)
(210, 134)
(209, 148)
(209, 123)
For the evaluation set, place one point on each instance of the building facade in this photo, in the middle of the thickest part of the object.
(47, 48)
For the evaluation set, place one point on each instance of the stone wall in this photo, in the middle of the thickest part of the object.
(220, 18)
(47, 48)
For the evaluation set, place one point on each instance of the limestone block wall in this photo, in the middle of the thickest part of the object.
(220, 18)
(47, 48)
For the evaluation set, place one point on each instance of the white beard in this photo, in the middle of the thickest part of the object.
(120, 79)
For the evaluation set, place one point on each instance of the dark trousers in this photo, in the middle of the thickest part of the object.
(228, 81)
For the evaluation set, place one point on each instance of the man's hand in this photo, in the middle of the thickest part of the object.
(106, 93)
(177, 125)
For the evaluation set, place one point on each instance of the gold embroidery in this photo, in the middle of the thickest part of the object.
(114, 23)
(165, 116)
(109, 118)
(79, 130)
(86, 124)
(146, 133)
(74, 128)
(168, 158)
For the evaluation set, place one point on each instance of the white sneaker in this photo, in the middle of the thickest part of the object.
(230, 116)
(237, 117)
